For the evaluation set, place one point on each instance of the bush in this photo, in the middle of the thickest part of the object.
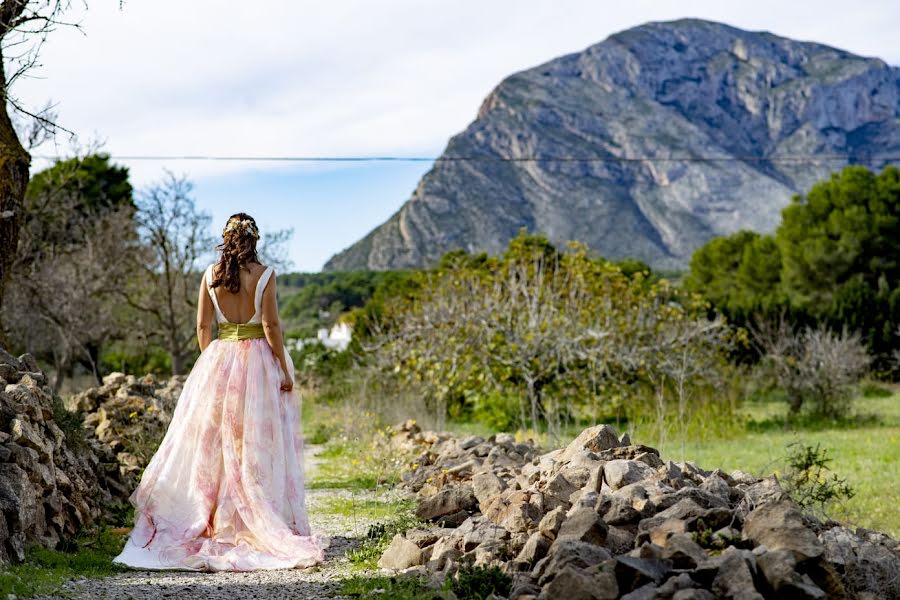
(817, 368)
(810, 481)
(477, 583)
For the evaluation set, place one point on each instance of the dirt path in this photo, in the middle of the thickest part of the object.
(322, 581)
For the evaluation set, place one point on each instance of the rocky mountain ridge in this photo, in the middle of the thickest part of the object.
(735, 122)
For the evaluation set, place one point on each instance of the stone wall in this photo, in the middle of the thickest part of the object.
(52, 484)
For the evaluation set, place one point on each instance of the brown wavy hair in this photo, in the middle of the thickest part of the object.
(238, 249)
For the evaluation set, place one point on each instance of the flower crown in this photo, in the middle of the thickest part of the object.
(242, 225)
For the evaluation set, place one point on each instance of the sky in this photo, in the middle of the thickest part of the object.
(339, 78)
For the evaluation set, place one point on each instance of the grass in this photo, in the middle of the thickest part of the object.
(45, 571)
(365, 508)
(396, 588)
(865, 450)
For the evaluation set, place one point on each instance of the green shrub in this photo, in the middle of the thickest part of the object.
(477, 583)
(810, 481)
(395, 588)
(378, 537)
(873, 390)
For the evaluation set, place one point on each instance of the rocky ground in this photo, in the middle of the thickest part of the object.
(604, 518)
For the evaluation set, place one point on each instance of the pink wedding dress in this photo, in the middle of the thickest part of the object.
(225, 490)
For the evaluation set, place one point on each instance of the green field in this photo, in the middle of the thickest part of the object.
(865, 450)
(867, 455)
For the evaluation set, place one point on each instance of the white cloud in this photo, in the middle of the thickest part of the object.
(351, 77)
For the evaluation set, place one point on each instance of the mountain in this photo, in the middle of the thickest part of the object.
(686, 89)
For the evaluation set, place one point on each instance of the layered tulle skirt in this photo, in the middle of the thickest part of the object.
(225, 489)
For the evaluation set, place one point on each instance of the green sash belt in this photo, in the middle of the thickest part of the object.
(236, 332)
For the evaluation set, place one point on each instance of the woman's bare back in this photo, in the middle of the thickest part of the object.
(240, 307)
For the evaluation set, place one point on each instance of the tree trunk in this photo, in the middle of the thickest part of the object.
(14, 165)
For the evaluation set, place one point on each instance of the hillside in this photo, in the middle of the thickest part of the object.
(687, 89)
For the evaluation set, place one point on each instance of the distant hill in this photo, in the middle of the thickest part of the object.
(685, 88)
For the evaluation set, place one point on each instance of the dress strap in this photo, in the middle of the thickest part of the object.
(260, 288)
(212, 294)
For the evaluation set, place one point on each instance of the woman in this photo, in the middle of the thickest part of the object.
(225, 490)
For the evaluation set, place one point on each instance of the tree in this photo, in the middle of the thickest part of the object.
(24, 24)
(845, 228)
(556, 331)
(176, 238)
(77, 248)
(834, 260)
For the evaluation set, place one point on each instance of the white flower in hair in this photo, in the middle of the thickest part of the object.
(243, 225)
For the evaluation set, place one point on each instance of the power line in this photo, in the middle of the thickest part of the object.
(513, 159)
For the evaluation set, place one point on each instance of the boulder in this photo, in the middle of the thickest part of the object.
(447, 501)
(534, 549)
(779, 526)
(683, 552)
(778, 567)
(400, 554)
(514, 511)
(486, 486)
(633, 572)
(551, 522)
(583, 524)
(619, 473)
(595, 439)
(575, 584)
(563, 553)
(734, 578)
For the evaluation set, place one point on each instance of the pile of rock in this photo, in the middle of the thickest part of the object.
(51, 484)
(129, 415)
(605, 518)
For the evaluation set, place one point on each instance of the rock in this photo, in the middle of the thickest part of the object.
(619, 473)
(683, 551)
(448, 501)
(632, 572)
(400, 554)
(778, 568)
(583, 524)
(693, 594)
(514, 511)
(486, 485)
(575, 584)
(557, 492)
(534, 549)
(454, 520)
(734, 578)
(595, 439)
(551, 522)
(619, 540)
(563, 553)
(779, 525)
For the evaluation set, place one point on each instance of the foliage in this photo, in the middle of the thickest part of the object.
(98, 184)
(477, 582)
(834, 259)
(75, 254)
(866, 452)
(816, 368)
(562, 333)
(809, 479)
(44, 571)
(379, 536)
(402, 587)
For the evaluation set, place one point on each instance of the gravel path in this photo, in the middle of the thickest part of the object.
(321, 581)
